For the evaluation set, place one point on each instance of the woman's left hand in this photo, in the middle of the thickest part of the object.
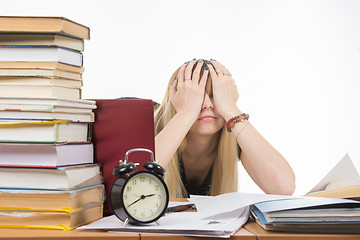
(225, 92)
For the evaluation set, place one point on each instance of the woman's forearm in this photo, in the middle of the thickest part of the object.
(170, 138)
(266, 166)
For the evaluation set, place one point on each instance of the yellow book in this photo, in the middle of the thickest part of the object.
(352, 192)
(63, 220)
(51, 200)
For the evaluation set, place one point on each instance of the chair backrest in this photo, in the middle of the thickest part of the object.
(121, 125)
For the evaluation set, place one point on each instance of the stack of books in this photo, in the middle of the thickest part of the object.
(47, 175)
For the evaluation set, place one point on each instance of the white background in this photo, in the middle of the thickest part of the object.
(296, 64)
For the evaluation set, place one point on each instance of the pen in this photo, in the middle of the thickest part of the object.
(180, 208)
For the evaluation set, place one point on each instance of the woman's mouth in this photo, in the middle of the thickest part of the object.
(207, 118)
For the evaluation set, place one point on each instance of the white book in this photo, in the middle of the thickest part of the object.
(62, 178)
(56, 131)
(40, 54)
(42, 90)
(78, 103)
(45, 155)
(44, 108)
(47, 115)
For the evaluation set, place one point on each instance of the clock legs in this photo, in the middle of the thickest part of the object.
(126, 221)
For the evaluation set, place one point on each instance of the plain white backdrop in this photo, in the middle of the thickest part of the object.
(296, 64)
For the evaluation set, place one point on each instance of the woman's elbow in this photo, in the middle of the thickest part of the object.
(282, 186)
(287, 187)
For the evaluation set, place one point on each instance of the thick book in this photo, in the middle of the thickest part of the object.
(40, 54)
(36, 131)
(121, 125)
(47, 111)
(41, 65)
(309, 214)
(56, 200)
(41, 80)
(58, 25)
(45, 155)
(61, 178)
(50, 219)
(39, 72)
(342, 181)
(39, 90)
(35, 39)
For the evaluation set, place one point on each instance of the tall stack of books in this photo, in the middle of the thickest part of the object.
(47, 175)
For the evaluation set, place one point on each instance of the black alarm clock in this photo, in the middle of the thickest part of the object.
(139, 197)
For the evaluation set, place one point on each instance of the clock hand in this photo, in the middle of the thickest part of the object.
(141, 197)
(150, 195)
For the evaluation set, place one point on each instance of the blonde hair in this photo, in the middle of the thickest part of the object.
(224, 170)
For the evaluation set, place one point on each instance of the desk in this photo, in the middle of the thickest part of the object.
(44, 234)
(242, 234)
(250, 231)
(262, 234)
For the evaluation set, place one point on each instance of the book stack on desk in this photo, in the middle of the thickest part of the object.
(47, 175)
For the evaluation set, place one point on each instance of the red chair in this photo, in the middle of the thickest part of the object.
(121, 125)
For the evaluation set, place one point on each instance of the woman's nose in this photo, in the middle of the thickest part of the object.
(207, 103)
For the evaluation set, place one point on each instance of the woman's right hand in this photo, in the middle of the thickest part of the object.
(187, 92)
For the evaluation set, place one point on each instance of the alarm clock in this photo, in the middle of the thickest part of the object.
(139, 197)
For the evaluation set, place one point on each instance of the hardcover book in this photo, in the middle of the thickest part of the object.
(59, 25)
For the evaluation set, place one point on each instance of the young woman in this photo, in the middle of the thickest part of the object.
(198, 129)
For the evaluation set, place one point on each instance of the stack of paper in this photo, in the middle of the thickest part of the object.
(309, 214)
(318, 213)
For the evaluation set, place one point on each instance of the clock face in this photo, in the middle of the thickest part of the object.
(145, 197)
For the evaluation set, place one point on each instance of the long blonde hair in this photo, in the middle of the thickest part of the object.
(224, 170)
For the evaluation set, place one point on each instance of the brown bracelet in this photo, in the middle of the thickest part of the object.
(232, 121)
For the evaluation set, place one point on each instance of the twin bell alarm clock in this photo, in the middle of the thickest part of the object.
(139, 197)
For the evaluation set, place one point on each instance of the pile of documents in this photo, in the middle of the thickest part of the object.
(309, 214)
(219, 216)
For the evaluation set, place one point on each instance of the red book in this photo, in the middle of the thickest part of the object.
(121, 125)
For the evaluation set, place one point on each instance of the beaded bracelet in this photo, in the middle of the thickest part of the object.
(232, 121)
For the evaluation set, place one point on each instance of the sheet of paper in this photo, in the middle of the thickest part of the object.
(184, 223)
(229, 202)
(344, 169)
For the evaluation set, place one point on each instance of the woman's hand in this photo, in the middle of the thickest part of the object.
(225, 92)
(187, 92)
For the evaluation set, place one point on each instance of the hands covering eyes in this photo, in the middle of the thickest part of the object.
(188, 90)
